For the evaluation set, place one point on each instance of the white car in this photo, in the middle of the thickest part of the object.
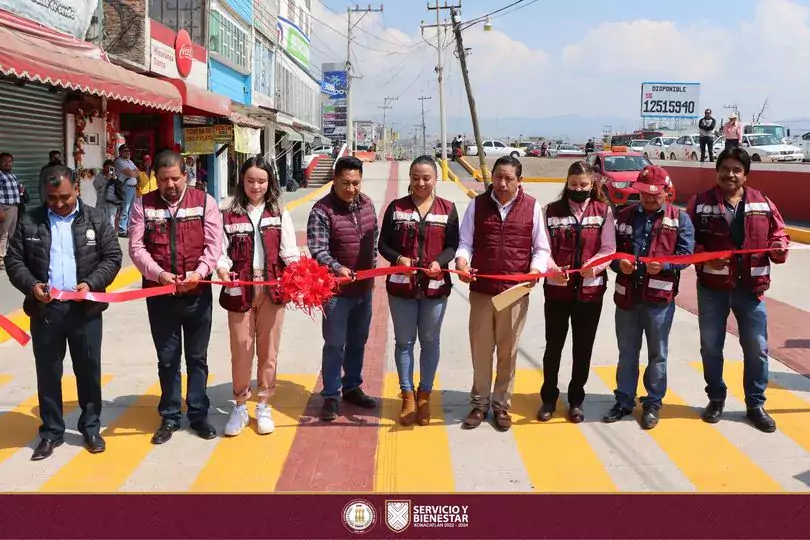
(686, 147)
(325, 150)
(496, 149)
(566, 150)
(657, 147)
(804, 143)
(763, 147)
(637, 145)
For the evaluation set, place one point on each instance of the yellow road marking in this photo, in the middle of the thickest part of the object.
(556, 454)
(415, 458)
(19, 426)
(252, 463)
(710, 461)
(292, 205)
(5, 379)
(788, 409)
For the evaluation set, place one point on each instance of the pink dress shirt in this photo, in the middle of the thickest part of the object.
(608, 234)
(144, 262)
(733, 131)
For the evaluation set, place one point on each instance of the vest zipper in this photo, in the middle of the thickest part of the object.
(173, 244)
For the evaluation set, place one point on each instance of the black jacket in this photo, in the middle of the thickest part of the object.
(98, 255)
(707, 124)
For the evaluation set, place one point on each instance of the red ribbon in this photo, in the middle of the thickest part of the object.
(14, 331)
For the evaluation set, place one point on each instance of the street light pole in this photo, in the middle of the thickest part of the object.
(350, 135)
(440, 72)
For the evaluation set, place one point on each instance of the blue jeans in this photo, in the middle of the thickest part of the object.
(752, 321)
(345, 327)
(655, 322)
(412, 317)
(130, 192)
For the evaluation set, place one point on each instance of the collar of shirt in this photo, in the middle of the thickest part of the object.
(578, 209)
(508, 203)
(178, 201)
(54, 216)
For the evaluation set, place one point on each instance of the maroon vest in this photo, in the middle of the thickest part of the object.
(351, 238)
(713, 233)
(573, 243)
(176, 243)
(406, 225)
(658, 289)
(501, 246)
(241, 248)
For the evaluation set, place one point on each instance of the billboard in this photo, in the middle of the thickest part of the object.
(334, 84)
(334, 118)
(670, 100)
(68, 16)
(294, 41)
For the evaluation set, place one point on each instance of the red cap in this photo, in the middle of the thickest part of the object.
(652, 180)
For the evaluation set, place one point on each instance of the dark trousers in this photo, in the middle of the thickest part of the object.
(182, 324)
(706, 141)
(732, 143)
(62, 325)
(584, 317)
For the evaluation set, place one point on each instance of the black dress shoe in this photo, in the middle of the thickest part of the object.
(615, 414)
(45, 448)
(649, 417)
(95, 444)
(329, 411)
(165, 431)
(761, 419)
(359, 398)
(713, 412)
(204, 429)
(575, 414)
(546, 412)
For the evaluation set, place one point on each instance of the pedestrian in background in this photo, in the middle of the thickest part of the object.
(581, 229)
(10, 199)
(67, 245)
(176, 239)
(733, 216)
(645, 292)
(147, 183)
(502, 233)
(706, 126)
(733, 132)
(342, 235)
(419, 230)
(128, 177)
(259, 242)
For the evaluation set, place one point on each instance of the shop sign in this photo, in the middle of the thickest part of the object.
(294, 41)
(183, 54)
(69, 16)
(202, 140)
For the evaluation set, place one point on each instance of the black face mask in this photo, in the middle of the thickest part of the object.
(578, 196)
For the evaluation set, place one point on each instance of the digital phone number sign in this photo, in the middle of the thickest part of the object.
(670, 100)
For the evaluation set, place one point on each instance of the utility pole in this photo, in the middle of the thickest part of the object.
(462, 57)
(350, 138)
(441, 27)
(424, 143)
(416, 128)
(385, 106)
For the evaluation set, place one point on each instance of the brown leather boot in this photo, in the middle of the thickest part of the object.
(423, 407)
(407, 415)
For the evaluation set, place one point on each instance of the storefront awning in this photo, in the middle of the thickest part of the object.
(292, 135)
(197, 101)
(246, 121)
(35, 53)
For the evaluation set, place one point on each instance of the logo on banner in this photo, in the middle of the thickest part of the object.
(183, 53)
(397, 515)
(359, 516)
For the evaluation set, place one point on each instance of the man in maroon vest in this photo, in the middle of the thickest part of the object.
(727, 217)
(176, 239)
(342, 235)
(645, 293)
(502, 233)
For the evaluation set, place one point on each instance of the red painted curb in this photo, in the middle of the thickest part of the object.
(341, 455)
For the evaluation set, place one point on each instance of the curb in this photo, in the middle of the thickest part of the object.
(454, 178)
(544, 179)
(292, 205)
(798, 234)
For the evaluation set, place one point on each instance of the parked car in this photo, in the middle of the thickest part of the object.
(637, 145)
(685, 148)
(495, 149)
(325, 150)
(617, 171)
(767, 148)
(566, 150)
(803, 142)
(657, 147)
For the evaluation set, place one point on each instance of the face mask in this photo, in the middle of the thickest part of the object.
(578, 196)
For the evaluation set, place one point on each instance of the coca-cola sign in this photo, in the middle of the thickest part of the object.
(183, 53)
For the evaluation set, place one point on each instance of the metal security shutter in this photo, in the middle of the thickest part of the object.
(32, 123)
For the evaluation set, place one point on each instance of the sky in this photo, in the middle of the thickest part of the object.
(554, 58)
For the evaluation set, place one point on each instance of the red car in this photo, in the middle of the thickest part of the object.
(617, 170)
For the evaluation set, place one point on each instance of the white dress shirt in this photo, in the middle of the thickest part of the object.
(288, 250)
(541, 250)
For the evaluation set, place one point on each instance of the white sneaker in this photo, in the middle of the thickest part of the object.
(265, 419)
(237, 421)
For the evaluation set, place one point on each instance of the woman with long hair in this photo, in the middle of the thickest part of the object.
(259, 241)
(419, 230)
(581, 229)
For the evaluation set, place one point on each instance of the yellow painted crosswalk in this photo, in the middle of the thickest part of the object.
(551, 457)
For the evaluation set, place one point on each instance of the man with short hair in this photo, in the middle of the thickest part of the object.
(503, 232)
(706, 126)
(175, 238)
(128, 176)
(55, 161)
(342, 235)
(10, 198)
(645, 292)
(67, 245)
(733, 216)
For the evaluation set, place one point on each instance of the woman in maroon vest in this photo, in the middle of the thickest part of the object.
(580, 229)
(259, 241)
(419, 230)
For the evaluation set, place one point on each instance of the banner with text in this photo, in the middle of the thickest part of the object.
(68, 16)
(294, 41)
(670, 100)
